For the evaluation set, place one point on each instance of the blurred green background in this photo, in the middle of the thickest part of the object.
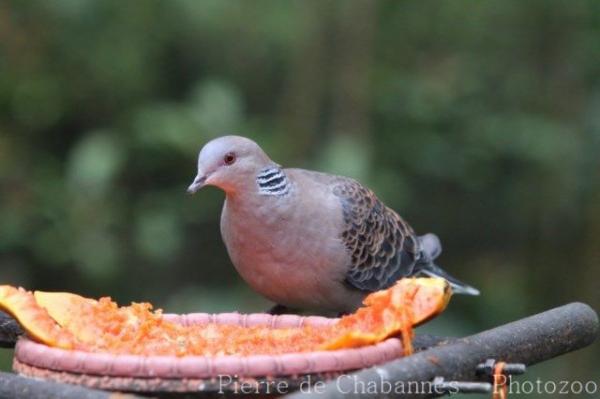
(479, 121)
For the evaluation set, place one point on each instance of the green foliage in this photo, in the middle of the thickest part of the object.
(6, 359)
(476, 120)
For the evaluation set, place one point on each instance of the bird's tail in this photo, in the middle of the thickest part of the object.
(458, 287)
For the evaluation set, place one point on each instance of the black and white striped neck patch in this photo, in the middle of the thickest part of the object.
(272, 181)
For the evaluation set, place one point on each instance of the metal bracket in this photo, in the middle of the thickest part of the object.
(440, 386)
(487, 369)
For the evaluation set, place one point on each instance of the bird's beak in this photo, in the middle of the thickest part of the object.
(197, 184)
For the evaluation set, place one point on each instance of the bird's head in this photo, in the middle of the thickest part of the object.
(229, 162)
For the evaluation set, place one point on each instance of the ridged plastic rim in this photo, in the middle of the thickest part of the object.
(45, 357)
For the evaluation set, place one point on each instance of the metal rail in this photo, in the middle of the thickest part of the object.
(9, 331)
(531, 340)
(16, 387)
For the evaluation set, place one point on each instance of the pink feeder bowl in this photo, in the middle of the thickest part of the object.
(265, 374)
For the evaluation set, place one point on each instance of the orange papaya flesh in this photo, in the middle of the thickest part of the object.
(103, 326)
(394, 311)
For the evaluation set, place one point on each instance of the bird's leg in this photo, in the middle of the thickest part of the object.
(279, 309)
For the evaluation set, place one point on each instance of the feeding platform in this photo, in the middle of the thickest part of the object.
(44, 371)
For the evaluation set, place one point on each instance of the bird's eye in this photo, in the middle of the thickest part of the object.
(229, 158)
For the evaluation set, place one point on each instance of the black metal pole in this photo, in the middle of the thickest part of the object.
(9, 331)
(529, 341)
(13, 386)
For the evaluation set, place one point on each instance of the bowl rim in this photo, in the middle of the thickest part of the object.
(104, 364)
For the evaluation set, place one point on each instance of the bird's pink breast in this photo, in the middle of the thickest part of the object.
(286, 252)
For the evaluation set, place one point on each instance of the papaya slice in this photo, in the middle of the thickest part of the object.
(34, 319)
(63, 307)
(397, 310)
(66, 309)
(71, 321)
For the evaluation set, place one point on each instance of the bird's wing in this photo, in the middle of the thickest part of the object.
(383, 247)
